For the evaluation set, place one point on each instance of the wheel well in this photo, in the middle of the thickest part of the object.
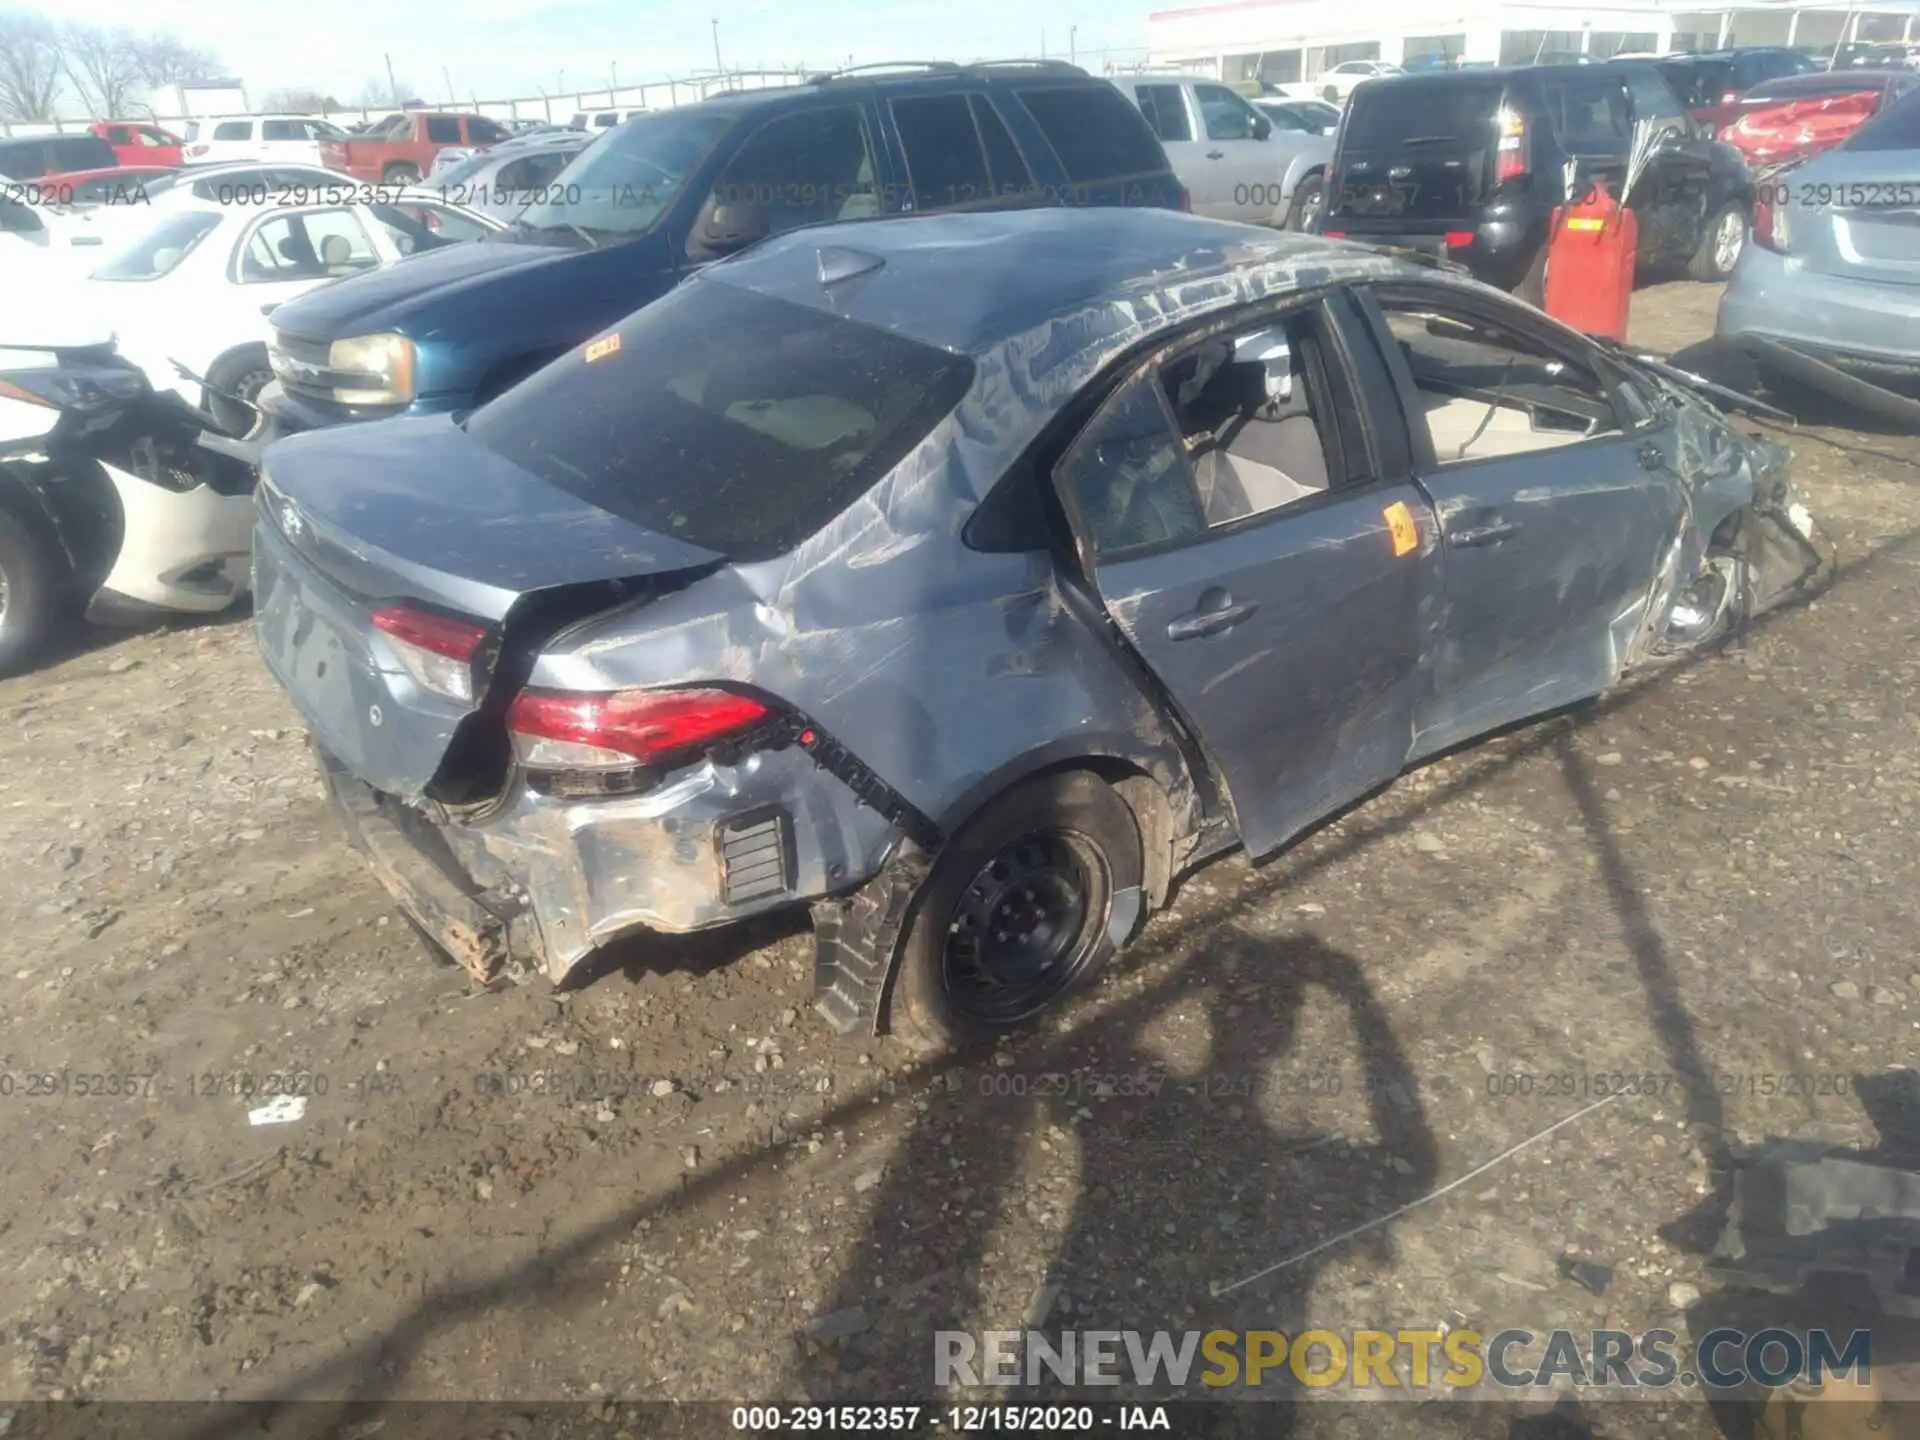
(1153, 812)
(230, 357)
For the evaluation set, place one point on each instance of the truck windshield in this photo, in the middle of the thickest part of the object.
(623, 184)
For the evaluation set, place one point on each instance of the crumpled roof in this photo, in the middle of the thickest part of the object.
(972, 282)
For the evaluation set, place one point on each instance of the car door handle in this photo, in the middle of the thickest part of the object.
(1216, 155)
(1208, 622)
(1483, 536)
(1652, 457)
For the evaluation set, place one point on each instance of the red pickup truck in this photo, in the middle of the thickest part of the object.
(135, 142)
(401, 148)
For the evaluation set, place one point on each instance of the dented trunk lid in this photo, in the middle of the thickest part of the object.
(416, 512)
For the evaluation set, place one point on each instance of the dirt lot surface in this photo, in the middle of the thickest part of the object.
(674, 1183)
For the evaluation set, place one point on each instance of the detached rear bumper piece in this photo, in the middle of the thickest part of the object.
(489, 931)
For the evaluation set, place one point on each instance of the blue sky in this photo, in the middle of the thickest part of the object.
(508, 47)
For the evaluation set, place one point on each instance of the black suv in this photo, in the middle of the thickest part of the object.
(1470, 165)
(648, 203)
(1716, 76)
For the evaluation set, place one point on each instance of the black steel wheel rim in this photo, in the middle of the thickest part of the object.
(1025, 928)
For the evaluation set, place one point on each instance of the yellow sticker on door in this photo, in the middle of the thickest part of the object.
(1406, 534)
(601, 348)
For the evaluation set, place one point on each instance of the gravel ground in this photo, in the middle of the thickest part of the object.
(674, 1184)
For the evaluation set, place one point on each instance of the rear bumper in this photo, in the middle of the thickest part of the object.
(539, 883)
(1500, 255)
(184, 549)
(1872, 329)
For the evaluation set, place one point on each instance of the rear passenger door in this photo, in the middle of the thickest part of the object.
(1679, 177)
(1556, 496)
(956, 154)
(1245, 170)
(1280, 614)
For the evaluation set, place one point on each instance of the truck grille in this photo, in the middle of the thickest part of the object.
(756, 856)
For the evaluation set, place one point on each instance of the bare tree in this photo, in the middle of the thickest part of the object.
(30, 66)
(104, 65)
(377, 93)
(166, 60)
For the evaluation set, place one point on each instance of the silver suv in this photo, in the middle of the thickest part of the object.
(1234, 161)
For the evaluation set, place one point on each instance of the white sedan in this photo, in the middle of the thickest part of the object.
(1335, 85)
(195, 286)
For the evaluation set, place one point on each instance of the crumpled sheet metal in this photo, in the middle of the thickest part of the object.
(594, 870)
(887, 629)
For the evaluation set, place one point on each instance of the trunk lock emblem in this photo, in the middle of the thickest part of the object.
(374, 717)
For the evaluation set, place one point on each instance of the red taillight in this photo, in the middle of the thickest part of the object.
(436, 650)
(1459, 239)
(618, 729)
(1333, 234)
(427, 630)
(1511, 163)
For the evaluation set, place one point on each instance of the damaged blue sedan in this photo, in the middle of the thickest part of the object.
(967, 579)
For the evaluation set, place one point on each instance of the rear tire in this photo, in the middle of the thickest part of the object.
(1309, 199)
(245, 373)
(35, 595)
(1017, 911)
(1721, 245)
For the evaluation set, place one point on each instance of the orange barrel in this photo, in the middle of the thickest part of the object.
(1591, 249)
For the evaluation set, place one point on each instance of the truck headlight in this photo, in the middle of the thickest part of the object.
(372, 370)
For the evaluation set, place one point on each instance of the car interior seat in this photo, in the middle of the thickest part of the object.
(336, 252)
(1255, 452)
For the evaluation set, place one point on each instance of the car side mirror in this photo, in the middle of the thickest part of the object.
(725, 226)
(1262, 128)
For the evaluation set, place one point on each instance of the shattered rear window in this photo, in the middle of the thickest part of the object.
(726, 418)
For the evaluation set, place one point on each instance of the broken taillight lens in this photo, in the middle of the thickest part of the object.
(436, 650)
(620, 729)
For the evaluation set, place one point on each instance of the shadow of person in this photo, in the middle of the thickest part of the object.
(1208, 1128)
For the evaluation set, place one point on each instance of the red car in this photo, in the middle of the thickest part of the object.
(1883, 85)
(135, 142)
(121, 185)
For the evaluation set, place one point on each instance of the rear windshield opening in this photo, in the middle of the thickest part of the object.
(725, 418)
(1386, 116)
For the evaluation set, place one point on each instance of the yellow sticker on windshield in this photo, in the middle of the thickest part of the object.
(1406, 534)
(603, 347)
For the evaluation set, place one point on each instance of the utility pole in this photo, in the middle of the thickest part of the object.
(718, 67)
(393, 85)
(616, 76)
(1073, 44)
(447, 75)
